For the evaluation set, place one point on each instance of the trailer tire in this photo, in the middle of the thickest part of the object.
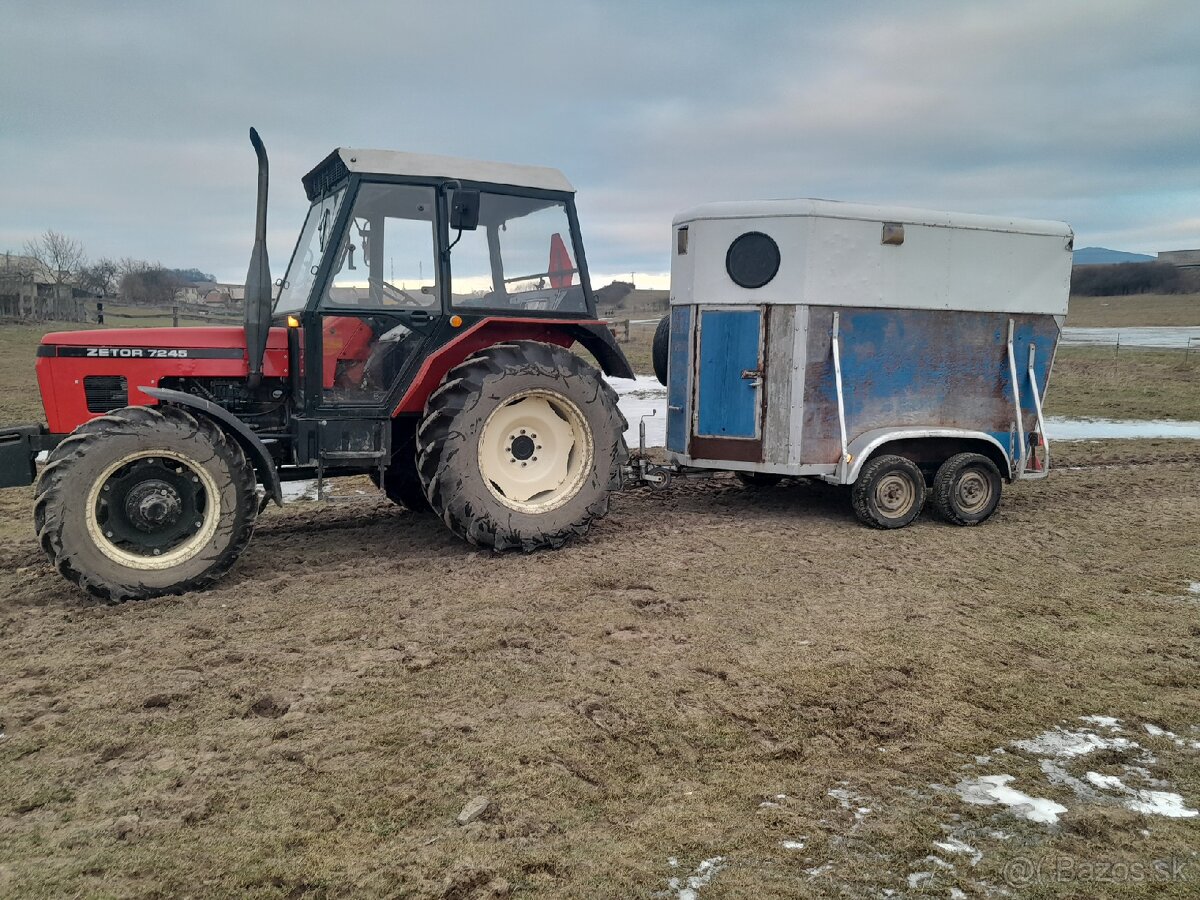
(145, 501)
(966, 489)
(479, 444)
(889, 492)
(661, 348)
(758, 479)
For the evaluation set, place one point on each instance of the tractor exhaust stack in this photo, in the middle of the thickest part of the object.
(258, 278)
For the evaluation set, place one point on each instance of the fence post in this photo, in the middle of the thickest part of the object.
(175, 316)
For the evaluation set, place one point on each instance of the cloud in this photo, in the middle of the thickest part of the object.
(133, 139)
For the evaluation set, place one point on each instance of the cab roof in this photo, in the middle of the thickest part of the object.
(419, 165)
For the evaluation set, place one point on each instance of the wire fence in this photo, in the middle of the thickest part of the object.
(1185, 340)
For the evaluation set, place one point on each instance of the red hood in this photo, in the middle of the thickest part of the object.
(214, 336)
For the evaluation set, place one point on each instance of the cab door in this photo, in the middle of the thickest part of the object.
(382, 301)
(729, 379)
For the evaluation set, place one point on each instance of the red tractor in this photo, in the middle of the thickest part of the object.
(421, 335)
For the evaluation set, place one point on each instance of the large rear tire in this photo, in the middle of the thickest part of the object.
(660, 349)
(145, 501)
(520, 447)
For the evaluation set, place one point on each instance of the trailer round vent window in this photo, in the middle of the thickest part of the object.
(752, 260)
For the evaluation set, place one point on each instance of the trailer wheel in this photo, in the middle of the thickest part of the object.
(520, 447)
(660, 349)
(758, 479)
(889, 492)
(966, 489)
(145, 501)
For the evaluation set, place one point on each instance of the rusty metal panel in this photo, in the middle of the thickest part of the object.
(778, 383)
(905, 367)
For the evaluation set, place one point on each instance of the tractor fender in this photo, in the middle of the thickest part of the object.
(251, 443)
(599, 341)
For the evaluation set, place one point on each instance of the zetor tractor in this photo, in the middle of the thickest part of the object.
(421, 336)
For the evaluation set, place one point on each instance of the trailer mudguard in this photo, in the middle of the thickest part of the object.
(864, 446)
(251, 443)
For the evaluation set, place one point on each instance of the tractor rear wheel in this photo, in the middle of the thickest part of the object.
(520, 447)
(145, 501)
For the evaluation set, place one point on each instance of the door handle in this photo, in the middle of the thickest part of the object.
(420, 316)
(754, 376)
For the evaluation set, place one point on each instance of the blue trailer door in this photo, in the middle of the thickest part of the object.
(729, 374)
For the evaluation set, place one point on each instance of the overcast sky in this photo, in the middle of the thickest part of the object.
(124, 124)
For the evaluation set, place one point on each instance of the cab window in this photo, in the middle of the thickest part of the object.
(521, 257)
(387, 257)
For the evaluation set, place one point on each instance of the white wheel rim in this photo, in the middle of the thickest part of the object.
(176, 555)
(535, 451)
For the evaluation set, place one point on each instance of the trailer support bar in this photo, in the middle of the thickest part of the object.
(1037, 405)
(1016, 389)
(841, 403)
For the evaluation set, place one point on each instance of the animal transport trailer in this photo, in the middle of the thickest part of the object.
(903, 352)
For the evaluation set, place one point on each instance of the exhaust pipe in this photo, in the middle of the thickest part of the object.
(258, 278)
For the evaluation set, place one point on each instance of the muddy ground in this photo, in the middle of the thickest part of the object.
(713, 672)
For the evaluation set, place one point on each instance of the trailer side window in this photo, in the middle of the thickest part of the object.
(752, 259)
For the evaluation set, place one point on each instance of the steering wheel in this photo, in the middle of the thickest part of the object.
(424, 301)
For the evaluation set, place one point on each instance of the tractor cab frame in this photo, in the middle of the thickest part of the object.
(406, 264)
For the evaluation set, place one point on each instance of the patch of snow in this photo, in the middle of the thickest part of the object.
(1105, 782)
(956, 894)
(643, 396)
(673, 862)
(768, 804)
(820, 870)
(916, 879)
(993, 790)
(844, 798)
(1194, 587)
(938, 862)
(1102, 721)
(793, 845)
(954, 845)
(42, 458)
(1064, 743)
(1155, 731)
(700, 878)
(299, 490)
(1151, 803)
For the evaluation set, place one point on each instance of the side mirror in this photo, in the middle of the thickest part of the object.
(464, 211)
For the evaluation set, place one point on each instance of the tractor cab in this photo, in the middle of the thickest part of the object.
(401, 253)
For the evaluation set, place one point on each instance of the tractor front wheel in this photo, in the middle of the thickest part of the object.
(520, 447)
(145, 501)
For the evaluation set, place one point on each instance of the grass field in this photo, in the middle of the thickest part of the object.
(1139, 309)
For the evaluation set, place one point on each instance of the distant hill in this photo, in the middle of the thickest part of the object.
(1102, 256)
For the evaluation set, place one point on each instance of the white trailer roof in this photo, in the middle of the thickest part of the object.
(837, 254)
(834, 209)
(394, 162)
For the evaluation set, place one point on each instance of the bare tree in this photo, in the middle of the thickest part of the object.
(59, 257)
(99, 278)
(147, 283)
